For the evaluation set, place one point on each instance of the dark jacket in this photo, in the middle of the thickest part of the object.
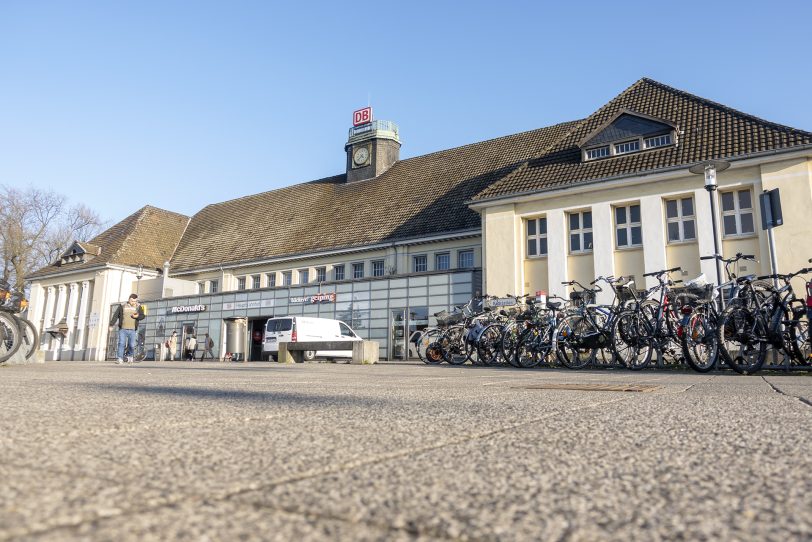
(118, 314)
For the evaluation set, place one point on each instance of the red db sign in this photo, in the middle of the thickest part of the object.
(362, 116)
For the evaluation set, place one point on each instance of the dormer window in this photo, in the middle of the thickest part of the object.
(627, 147)
(628, 133)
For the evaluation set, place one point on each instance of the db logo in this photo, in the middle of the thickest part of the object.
(362, 116)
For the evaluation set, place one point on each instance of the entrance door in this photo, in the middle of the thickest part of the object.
(256, 338)
(188, 330)
(397, 342)
(418, 321)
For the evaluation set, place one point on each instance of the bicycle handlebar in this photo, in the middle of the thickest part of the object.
(663, 272)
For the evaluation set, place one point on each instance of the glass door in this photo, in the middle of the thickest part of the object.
(398, 336)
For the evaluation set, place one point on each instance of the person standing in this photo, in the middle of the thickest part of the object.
(172, 344)
(208, 345)
(190, 347)
(127, 315)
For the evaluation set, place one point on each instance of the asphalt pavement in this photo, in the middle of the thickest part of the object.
(263, 451)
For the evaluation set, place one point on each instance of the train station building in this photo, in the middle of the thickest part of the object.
(388, 242)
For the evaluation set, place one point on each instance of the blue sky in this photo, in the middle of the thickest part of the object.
(181, 104)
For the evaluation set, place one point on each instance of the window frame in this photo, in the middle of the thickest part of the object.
(437, 256)
(304, 275)
(378, 268)
(340, 267)
(356, 266)
(737, 214)
(242, 282)
(424, 263)
(536, 237)
(270, 279)
(679, 219)
(465, 252)
(214, 286)
(628, 225)
(642, 146)
(580, 232)
(256, 282)
(287, 278)
(321, 274)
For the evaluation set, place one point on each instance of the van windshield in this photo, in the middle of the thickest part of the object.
(281, 324)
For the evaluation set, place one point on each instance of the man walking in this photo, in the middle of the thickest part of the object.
(127, 315)
(190, 347)
(173, 345)
(208, 345)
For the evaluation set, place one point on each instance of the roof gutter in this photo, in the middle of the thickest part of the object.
(673, 172)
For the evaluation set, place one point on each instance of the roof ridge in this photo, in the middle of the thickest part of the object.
(717, 105)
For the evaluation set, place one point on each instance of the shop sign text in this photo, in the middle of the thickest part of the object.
(188, 308)
(318, 298)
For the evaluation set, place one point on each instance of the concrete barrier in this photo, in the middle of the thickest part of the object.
(363, 352)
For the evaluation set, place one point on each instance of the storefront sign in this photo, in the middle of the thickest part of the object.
(188, 308)
(255, 304)
(318, 298)
(502, 302)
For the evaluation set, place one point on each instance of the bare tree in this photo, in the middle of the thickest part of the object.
(36, 226)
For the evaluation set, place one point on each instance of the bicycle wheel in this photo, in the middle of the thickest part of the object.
(799, 333)
(454, 348)
(426, 338)
(631, 338)
(434, 353)
(571, 352)
(489, 345)
(510, 338)
(741, 339)
(527, 353)
(10, 336)
(699, 340)
(140, 353)
(30, 337)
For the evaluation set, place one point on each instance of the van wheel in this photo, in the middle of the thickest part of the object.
(309, 355)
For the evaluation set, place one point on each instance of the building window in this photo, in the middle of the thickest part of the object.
(442, 261)
(465, 259)
(737, 213)
(627, 147)
(599, 152)
(581, 232)
(420, 263)
(628, 231)
(680, 221)
(377, 268)
(271, 278)
(536, 237)
(657, 141)
(321, 274)
(304, 276)
(287, 278)
(338, 272)
(358, 270)
(255, 281)
(214, 286)
(241, 283)
(201, 287)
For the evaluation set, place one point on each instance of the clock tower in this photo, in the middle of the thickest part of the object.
(373, 147)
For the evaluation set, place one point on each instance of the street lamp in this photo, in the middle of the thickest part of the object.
(139, 276)
(709, 169)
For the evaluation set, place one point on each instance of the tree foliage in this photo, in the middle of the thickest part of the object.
(36, 226)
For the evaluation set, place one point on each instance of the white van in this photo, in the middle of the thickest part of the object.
(303, 328)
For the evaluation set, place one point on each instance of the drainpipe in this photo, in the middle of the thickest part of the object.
(164, 277)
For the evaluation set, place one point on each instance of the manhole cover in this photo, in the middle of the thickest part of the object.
(592, 387)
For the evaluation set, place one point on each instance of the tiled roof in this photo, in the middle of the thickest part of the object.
(416, 197)
(708, 131)
(147, 237)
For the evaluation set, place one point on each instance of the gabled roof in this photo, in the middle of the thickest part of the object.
(147, 237)
(416, 197)
(708, 131)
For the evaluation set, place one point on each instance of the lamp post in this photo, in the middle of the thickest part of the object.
(709, 169)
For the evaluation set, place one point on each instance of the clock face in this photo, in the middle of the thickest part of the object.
(360, 156)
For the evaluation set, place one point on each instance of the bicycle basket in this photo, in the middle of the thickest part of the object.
(582, 297)
(445, 318)
(625, 293)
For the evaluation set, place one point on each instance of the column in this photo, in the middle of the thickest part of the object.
(70, 317)
(557, 252)
(81, 326)
(654, 254)
(603, 253)
(58, 314)
(49, 315)
(36, 306)
(704, 232)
